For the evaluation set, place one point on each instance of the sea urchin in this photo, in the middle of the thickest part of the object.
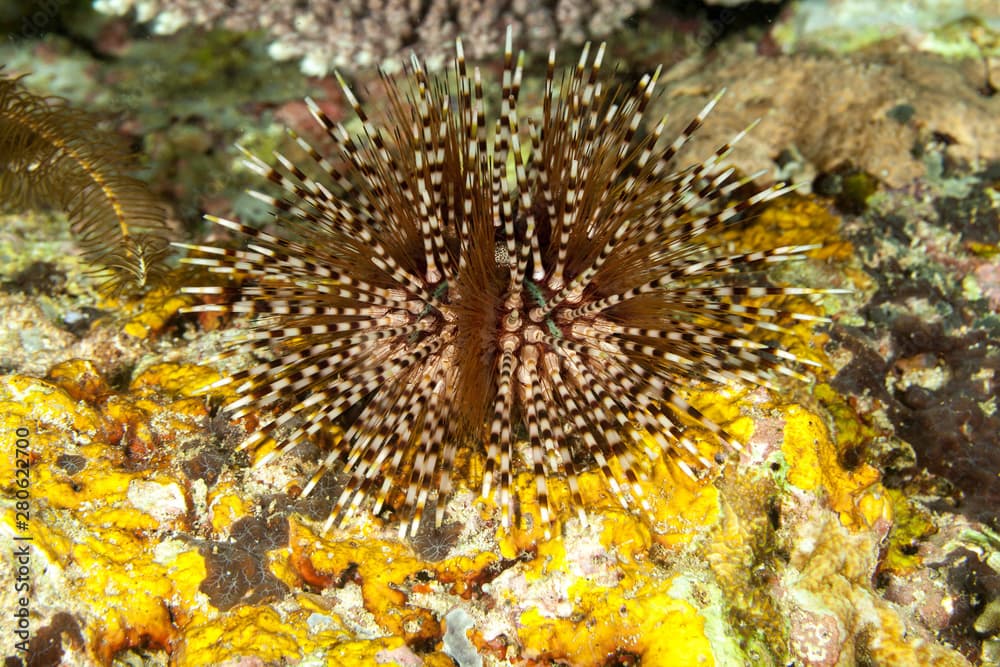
(541, 294)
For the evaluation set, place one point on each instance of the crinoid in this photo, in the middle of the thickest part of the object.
(537, 290)
(54, 155)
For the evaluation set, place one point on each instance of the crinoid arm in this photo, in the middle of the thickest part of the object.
(52, 156)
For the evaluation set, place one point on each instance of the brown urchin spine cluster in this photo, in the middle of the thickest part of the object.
(437, 282)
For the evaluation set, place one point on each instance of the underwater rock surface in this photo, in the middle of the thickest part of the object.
(859, 526)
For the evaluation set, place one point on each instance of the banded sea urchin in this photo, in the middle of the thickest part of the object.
(436, 282)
